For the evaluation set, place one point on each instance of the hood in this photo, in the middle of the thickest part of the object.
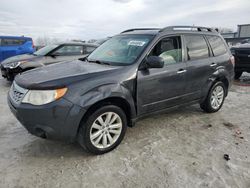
(25, 57)
(241, 46)
(61, 74)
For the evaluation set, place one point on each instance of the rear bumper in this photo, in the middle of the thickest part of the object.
(58, 120)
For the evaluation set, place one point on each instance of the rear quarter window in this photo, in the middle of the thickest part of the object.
(217, 45)
(196, 47)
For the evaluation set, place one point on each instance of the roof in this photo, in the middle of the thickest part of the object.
(77, 43)
(15, 37)
(149, 32)
(244, 25)
(247, 46)
(171, 29)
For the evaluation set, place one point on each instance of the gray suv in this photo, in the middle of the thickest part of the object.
(132, 75)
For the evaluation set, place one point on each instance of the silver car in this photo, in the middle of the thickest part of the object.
(47, 55)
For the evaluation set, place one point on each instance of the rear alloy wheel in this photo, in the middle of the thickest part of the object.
(103, 130)
(215, 98)
(237, 75)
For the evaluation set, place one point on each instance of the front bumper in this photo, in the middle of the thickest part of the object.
(9, 74)
(58, 120)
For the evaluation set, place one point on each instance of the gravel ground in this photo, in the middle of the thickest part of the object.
(183, 148)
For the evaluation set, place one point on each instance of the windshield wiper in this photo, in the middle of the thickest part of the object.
(98, 62)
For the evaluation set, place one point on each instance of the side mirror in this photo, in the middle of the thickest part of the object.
(54, 55)
(154, 62)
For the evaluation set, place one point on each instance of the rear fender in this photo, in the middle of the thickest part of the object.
(219, 75)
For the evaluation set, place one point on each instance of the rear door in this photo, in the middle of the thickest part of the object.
(27, 46)
(220, 53)
(21, 47)
(160, 88)
(242, 56)
(199, 64)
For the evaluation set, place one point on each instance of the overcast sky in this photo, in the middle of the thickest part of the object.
(87, 19)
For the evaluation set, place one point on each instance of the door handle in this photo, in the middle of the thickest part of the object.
(213, 64)
(181, 71)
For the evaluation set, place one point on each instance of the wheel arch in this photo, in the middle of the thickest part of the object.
(224, 80)
(218, 76)
(110, 94)
(115, 100)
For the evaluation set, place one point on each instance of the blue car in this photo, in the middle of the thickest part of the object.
(12, 46)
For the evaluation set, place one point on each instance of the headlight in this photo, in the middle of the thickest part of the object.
(14, 64)
(40, 97)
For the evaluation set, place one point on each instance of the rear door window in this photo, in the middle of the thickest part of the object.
(196, 47)
(12, 42)
(217, 45)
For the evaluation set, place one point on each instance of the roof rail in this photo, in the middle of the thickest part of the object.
(140, 29)
(191, 28)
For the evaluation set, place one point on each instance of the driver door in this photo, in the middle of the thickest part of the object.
(161, 88)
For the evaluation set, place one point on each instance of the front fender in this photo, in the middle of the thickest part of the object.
(106, 91)
(29, 65)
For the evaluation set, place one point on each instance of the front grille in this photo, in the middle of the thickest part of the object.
(17, 93)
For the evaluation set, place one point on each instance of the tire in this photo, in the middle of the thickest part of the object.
(237, 75)
(208, 105)
(92, 126)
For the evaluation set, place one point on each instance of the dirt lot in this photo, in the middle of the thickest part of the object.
(184, 148)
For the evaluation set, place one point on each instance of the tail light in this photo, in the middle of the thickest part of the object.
(33, 46)
(232, 60)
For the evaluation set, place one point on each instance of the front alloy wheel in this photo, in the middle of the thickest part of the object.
(103, 129)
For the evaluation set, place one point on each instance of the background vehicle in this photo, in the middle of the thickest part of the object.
(98, 41)
(241, 53)
(48, 55)
(130, 76)
(12, 46)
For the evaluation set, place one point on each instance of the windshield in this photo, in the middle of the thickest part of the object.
(45, 50)
(121, 50)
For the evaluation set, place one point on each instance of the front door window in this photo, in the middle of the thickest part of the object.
(169, 49)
